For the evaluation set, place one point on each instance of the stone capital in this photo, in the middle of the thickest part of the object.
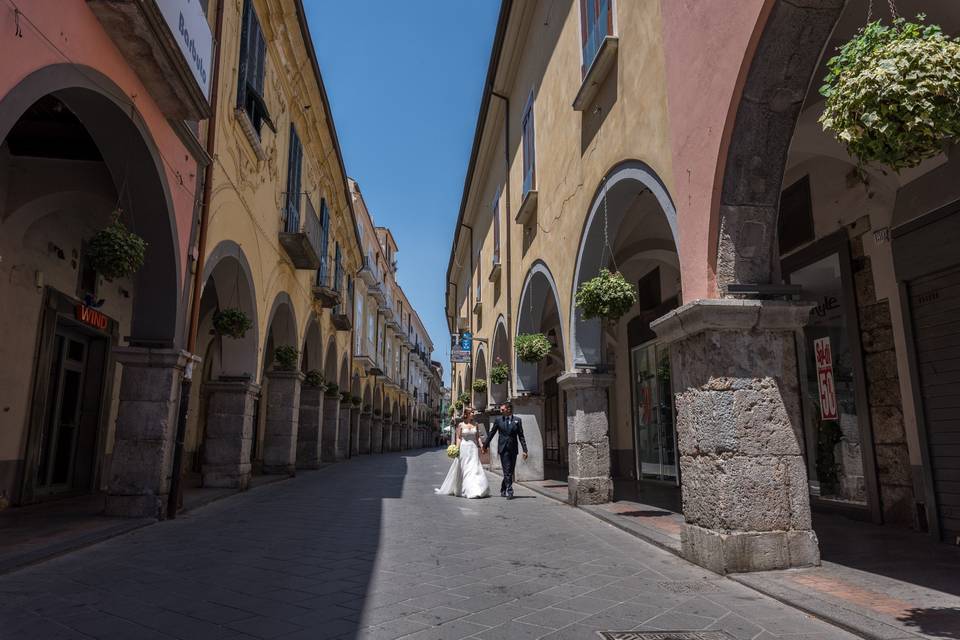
(731, 315)
(275, 374)
(231, 386)
(144, 357)
(584, 380)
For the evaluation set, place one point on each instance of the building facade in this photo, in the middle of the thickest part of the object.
(680, 146)
(235, 349)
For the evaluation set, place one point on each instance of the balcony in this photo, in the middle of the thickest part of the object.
(369, 272)
(300, 234)
(169, 45)
(603, 61)
(376, 292)
(528, 208)
(386, 310)
(324, 290)
(366, 362)
(393, 324)
(341, 320)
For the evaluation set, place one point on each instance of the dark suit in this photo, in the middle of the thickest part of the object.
(510, 429)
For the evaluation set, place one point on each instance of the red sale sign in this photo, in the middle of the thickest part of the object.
(828, 395)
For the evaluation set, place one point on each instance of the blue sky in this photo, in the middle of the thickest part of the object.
(404, 79)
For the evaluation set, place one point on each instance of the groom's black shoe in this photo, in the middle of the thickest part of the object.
(503, 494)
(510, 496)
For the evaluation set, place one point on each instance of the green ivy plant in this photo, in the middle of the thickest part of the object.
(116, 252)
(464, 398)
(285, 358)
(532, 347)
(333, 389)
(893, 93)
(499, 373)
(458, 405)
(232, 323)
(608, 295)
(480, 385)
(313, 378)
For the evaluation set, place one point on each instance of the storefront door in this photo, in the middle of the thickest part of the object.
(656, 448)
(67, 450)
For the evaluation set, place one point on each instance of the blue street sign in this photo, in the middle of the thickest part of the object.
(466, 341)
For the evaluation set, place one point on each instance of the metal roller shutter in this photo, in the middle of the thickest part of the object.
(935, 313)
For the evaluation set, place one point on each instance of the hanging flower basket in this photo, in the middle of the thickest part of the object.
(464, 398)
(285, 358)
(356, 401)
(608, 296)
(479, 385)
(531, 347)
(115, 252)
(377, 412)
(500, 373)
(458, 405)
(893, 93)
(344, 396)
(332, 389)
(232, 323)
(314, 379)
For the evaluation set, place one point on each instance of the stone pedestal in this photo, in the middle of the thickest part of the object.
(588, 436)
(530, 411)
(404, 437)
(365, 442)
(343, 432)
(354, 431)
(739, 432)
(310, 428)
(331, 424)
(283, 420)
(376, 434)
(228, 432)
(139, 479)
(395, 435)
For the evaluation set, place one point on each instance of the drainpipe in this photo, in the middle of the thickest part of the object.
(508, 226)
(187, 382)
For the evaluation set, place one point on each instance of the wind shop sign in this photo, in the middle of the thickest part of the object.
(190, 29)
(91, 317)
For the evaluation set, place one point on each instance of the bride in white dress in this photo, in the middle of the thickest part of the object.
(466, 478)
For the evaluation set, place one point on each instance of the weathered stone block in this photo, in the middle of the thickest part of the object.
(590, 490)
(590, 459)
(887, 422)
(331, 425)
(893, 464)
(881, 366)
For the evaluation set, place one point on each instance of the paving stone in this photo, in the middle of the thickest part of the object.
(365, 550)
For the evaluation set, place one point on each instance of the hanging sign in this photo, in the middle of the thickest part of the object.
(466, 341)
(92, 317)
(459, 356)
(189, 27)
(828, 395)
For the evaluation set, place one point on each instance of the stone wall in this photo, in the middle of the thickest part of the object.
(883, 393)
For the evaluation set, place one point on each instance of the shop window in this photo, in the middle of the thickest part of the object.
(596, 23)
(253, 54)
(795, 222)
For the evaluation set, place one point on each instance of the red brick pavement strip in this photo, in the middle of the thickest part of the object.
(835, 588)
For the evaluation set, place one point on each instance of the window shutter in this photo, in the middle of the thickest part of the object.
(244, 48)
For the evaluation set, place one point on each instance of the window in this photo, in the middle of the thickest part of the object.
(596, 23)
(337, 267)
(253, 53)
(795, 222)
(358, 315)
(323, 273)
(496, 226)
(529, 153)
(291, 212)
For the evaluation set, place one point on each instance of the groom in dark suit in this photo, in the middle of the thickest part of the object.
(511, 430)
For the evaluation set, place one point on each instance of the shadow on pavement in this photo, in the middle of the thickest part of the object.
(940, 622)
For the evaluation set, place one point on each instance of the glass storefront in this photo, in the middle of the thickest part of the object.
(656, 449)
(829, 371)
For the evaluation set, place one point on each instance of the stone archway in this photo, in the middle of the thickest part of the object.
(479, 399)
(282, 390)
(222, 436)
(329, 449)
(501, 355)
(310, 427)
(79, 120)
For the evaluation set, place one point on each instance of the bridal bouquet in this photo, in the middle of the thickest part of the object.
(453, 451)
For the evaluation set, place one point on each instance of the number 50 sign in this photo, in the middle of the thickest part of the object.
(828, 396)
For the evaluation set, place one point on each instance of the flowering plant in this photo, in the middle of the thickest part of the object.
(608, 295)
(500, 372)
(453, 451)
(531, 347)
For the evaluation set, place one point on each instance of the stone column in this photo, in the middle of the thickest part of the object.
(228, 432)
(310, 428)
(404, 437)
(530, 411)
(387, 435)
(739, 432)
(354, 431)
(331, 422)
(395, 435)
(283, 420)
(588, 436)
(139, 480)
(365, 444)
(376, 434)
(343, 431)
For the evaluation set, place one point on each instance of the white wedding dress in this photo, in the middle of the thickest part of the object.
(466, 478)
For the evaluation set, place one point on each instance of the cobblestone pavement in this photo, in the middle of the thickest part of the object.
(365, 550)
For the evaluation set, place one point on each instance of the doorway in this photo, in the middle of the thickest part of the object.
(554, 438)
(68, 450)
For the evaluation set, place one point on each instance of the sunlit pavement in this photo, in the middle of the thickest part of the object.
(364, 549)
